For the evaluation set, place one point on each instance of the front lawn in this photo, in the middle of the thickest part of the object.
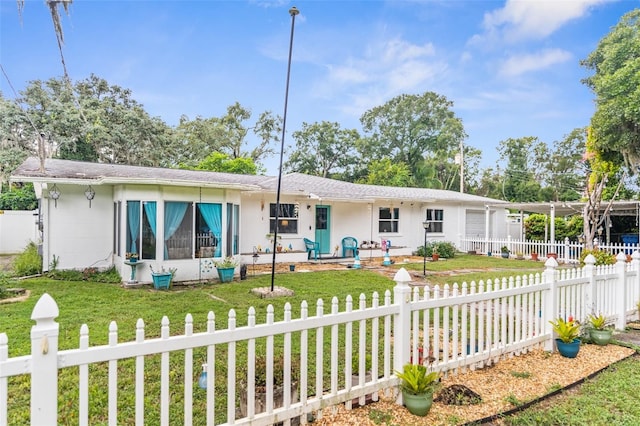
(97, 304)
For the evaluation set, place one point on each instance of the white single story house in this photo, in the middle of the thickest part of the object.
(93, 214)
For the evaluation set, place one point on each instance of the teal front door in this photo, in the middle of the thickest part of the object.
(323, 226)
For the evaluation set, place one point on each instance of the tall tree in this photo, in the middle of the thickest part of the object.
(490, 184)
(561, 169)
(219, 162)
(228, 134)
(616, 85)
(108, 126)
(601, 172)
(410, 129)
(323, 149)
(385, 172)
(519, 182)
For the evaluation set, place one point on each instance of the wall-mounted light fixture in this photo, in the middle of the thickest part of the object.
(90, 194)
(308, 206)
(54, 194)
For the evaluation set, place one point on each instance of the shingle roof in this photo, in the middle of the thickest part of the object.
(100, 173)
(77, 172)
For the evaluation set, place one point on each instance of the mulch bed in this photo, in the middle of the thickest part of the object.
(517, 379)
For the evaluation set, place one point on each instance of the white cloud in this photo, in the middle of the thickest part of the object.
(532, 19)
(347, 74)
(385, 69)
(521, 64)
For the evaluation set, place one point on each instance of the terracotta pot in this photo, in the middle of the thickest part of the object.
(534, 256)
(435, 256)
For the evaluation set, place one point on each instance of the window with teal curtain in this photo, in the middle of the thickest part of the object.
(233, 228)
(209, 228)
(133, 226)
(149, 229)
(178, 230)
(236, 229)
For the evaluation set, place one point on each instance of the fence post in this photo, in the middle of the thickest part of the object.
(402, 321)
(44, 362)
(567, 250)
(550, 307)
(621, 294)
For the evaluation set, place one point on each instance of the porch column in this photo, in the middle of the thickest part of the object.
(552, 236)
(487, 227)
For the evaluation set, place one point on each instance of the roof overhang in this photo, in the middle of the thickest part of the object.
(567, 208)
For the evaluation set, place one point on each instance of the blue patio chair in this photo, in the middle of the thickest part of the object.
(311, 246)
(349, 244)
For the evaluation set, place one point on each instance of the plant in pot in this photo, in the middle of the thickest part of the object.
(162, 278)
(599, 333)
(131, 257)
(355, 369)
(226, 268)
(568, 341)
(504, 252)
(418, 386)
(434, 253)
(261, 382)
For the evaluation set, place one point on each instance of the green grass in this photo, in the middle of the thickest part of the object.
(611, 398)
(464, 267)
(97, 304)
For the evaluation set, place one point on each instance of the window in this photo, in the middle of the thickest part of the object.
(116, 228)
(388, 219)
(287, 218)
(233, 229)
(178, 230)
(435, 218)
(141, 228)
(208, 230)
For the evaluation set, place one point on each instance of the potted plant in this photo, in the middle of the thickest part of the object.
(504, 252)
(534, 256)
(131, 257)
(261, 382)
(598, 331)
(519, 255)
(162, 278)
(355, 369)
(567, 342)
(418, 386)
(226, 269)
(434, 253)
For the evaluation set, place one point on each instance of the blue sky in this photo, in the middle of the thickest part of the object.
(511, 68)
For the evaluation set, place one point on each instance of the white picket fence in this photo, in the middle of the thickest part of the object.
(453, 327)
(566, 251)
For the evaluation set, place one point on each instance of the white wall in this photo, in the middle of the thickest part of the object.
(79, 236)
(17, 229)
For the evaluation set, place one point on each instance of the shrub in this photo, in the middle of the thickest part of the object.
(19, 199)
(602, 257)
(4, 284)
(29, 262)
(94, 275)
(444, 248)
